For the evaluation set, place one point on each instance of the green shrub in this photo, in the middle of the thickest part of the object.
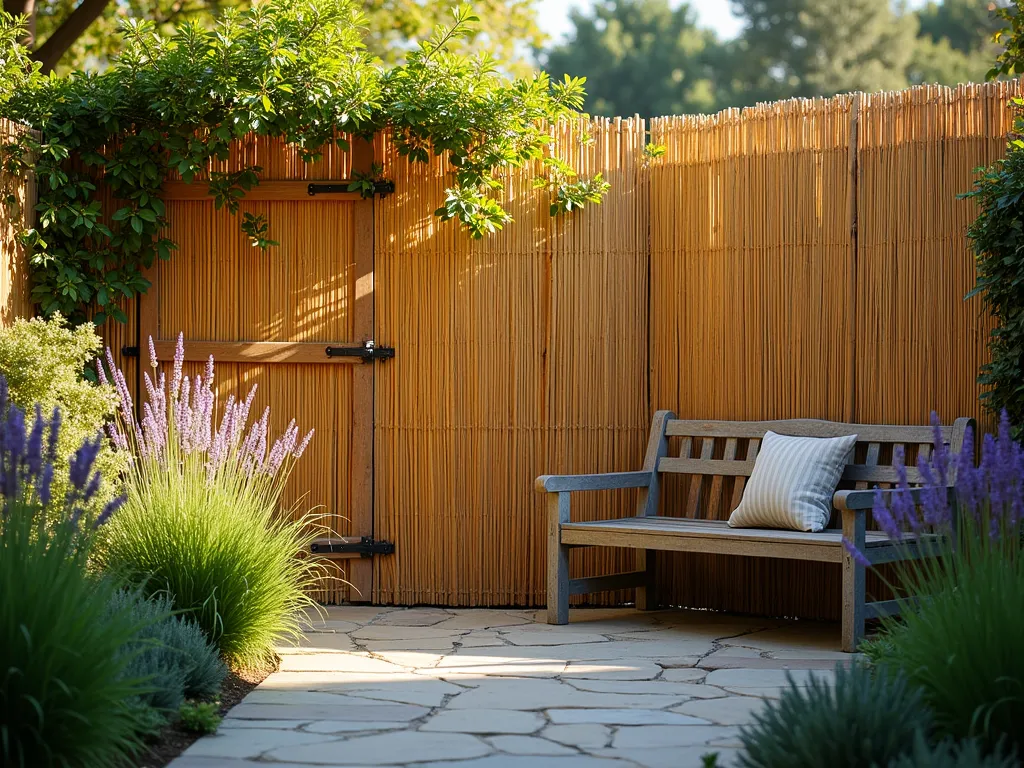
(202, 522)
(226, 558)
(64, 697)
(961, 646)
(43, 362)
(863, 720)
(171, 653)
(950, 754)
(997, 238)
(199, 717)
(958, 639)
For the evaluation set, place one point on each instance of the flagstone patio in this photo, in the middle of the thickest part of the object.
(435, 687)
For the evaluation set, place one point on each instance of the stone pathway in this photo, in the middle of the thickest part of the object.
(433, 688)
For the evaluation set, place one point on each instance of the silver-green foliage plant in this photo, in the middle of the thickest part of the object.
(44, 362)
(64, 695)
(957, 638)
(952, 754)
(203, 523)
(172, 653)
(294, 69)
(864, 719)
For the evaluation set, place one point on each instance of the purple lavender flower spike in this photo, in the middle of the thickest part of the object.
(991, 473)
(111, 507)
(34, 451)
(858, 556)
(79, 471)
(154, 362)
(100, 373)
(44, 486)
(179, 360)
(884, 518)
(302, 446)
(92, 488)
(51, 439)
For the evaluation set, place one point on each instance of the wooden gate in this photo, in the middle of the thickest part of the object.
(271, 318)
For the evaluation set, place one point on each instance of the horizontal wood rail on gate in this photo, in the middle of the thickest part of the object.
(256, 352)
(648, 532)
(265, 190)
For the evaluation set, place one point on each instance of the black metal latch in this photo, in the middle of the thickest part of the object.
(368, 352)
(382, 188)
(364, 546)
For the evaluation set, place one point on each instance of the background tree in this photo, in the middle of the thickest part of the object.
(955, 41)
(643, 57)
(823, 47)
(83, 34)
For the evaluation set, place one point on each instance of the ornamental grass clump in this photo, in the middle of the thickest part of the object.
(64, 694)
(863, 720)
(202, 522)
(958, 638)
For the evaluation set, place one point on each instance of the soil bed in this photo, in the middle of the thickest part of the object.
(173, 740)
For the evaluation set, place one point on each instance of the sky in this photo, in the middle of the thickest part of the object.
(716, 14)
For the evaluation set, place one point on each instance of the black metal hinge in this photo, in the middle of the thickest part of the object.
(129, 351)
(368, 352)
(382, 188)
(364, 546)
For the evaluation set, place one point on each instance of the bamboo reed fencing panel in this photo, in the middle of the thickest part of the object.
(217, 287)
(918, 344)
(809, 258)
(518, 354)
(805, 258)
(15, 297)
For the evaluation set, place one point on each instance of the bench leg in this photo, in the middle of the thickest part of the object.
(558, 560)
(645, 597)
(854, 581)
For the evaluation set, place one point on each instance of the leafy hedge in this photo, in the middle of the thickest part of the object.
(295, 69)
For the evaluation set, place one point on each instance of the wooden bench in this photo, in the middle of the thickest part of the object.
(713, 452)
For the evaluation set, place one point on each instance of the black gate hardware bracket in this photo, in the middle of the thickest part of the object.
(129, 351)
(382, 188)
(364, 546)
(368, 352)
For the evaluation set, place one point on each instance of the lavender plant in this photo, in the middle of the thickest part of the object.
(63, 694)
(962, 606)
(203, 521)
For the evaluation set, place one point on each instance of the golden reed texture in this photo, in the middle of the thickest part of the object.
(805, 258)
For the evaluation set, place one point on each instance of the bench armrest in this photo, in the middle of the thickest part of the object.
(866, 499)
(602, 482)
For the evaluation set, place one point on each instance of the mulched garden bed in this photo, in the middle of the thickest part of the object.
(173, 740)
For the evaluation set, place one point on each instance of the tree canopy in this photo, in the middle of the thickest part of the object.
(651, 57)
(84, 34)
(643, 57)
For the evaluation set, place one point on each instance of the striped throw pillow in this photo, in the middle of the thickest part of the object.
(792, 482)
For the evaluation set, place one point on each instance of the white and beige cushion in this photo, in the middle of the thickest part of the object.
(792, 483)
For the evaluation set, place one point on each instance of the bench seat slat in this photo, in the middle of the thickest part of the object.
(719, 529)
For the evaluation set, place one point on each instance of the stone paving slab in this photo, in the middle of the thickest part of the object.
(491, 688)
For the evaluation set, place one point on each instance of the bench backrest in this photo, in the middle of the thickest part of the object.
(719, 455)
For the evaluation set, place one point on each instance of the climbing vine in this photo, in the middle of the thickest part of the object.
(295, 69)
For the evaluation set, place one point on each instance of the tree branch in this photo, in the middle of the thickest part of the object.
(66, 34)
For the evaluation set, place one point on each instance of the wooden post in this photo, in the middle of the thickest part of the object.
(657, 446)
(360, 570)
(854, 579)
(558, 559)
